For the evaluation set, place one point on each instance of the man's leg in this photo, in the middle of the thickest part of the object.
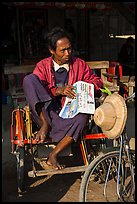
(42, 133)
(37, 98)
(72, 129)
(52, 159)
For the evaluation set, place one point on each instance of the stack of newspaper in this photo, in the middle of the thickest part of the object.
(84, 102)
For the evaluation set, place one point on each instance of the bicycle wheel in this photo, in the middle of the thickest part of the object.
(20, 159)
(95, 188)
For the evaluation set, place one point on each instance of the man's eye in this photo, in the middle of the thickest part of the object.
(68, 49)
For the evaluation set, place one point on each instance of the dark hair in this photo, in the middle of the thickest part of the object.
(54, 35)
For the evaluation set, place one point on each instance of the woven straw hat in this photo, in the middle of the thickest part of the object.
(111, 115)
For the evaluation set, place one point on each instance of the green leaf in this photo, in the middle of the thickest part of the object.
(105, 90)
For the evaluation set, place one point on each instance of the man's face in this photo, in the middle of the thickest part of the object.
(63, 51)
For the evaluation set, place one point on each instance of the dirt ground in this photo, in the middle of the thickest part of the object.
(56, 188)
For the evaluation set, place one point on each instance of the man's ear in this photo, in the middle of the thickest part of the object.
(51, 51)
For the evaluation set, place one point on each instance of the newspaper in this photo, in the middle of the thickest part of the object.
(84, 102)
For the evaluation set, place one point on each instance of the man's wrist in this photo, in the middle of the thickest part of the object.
(59, 91)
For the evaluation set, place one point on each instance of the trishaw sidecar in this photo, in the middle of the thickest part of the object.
(28, 152)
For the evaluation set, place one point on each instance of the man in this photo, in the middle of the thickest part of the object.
(46, 88)
(126, 57)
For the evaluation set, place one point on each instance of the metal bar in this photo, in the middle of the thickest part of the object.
(54, 171)
(95, 136)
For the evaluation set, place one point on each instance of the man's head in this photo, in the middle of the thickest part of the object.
(130, 40)
(59, 44)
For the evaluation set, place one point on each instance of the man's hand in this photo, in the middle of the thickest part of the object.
(67, 90)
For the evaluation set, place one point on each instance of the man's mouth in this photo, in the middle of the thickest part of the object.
(66, 59)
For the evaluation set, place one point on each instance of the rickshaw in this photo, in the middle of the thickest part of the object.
(32, 154)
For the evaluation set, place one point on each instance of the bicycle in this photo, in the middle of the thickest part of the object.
(110, 177)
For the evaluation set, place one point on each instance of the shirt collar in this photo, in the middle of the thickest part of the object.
(56, 66)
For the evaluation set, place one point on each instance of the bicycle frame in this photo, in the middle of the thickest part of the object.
(117, 166)
(125, 149)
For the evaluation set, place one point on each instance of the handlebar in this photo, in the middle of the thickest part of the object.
(101, 99)
(132, 96)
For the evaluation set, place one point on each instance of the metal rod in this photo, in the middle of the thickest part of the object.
(54, 171)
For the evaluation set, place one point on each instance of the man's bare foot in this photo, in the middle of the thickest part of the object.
(52, 161)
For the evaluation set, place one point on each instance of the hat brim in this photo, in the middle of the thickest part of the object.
(120, 108)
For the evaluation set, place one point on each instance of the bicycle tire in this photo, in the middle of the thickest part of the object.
(92, 185)
(20, 160)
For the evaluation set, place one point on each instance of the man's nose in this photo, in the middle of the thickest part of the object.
(67, 52)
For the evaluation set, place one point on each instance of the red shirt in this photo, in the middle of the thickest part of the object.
(78, 71)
